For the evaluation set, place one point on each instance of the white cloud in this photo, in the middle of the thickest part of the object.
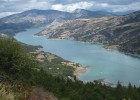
(115, 8)
(3, 14)
(1, 6)
(9, 8)
(72, 7)
(36, 5)
(123, 8)
(10, 0)
(12, 6)
(97, 6)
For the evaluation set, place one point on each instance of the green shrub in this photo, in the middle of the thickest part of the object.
(14, 60)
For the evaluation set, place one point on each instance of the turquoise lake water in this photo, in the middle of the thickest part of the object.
(102, 64)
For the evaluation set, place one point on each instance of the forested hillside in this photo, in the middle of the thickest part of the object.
(20, 72)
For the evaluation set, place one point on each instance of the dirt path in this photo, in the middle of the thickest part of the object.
(40, 94)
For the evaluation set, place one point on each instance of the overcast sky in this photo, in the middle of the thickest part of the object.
(8, 7)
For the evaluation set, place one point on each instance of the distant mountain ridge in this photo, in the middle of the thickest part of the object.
(36, 16)
(19, 22)
(48, 16)
(82, 25)
(82, 13)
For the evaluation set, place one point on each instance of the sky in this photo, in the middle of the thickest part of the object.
(8, 7)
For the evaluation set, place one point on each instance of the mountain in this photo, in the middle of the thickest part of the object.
(121, 32)
(36, 18)
(82, 13)
(124, 13)
(32, 18)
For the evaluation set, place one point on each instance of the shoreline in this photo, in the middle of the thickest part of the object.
(78, 68)
(133, 55)
(107, 47)
(80, 71)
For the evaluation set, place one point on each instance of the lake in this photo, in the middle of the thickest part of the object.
(102, 64)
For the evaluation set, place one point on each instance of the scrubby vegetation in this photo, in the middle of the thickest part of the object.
(56, 68)
(18, 68)
(5, 92)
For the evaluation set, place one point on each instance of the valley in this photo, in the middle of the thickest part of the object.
(122, 31)
(101, 63)
(80, 25)
(35, 18)
(78, 55)
(111, 32)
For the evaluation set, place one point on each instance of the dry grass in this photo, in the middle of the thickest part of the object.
(6, 93)
(50, 57)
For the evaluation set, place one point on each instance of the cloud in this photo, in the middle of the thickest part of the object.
(8, 7)
(116, 8)
(124, 8)
(19, 5)
(72, 7)
(1, 6)
(36, 5)
(9, 0)
(6, 14)
(91, 5)
(112, 2)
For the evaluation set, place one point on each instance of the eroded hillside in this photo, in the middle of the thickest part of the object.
(122, 31)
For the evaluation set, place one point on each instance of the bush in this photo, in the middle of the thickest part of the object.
(14, 60)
